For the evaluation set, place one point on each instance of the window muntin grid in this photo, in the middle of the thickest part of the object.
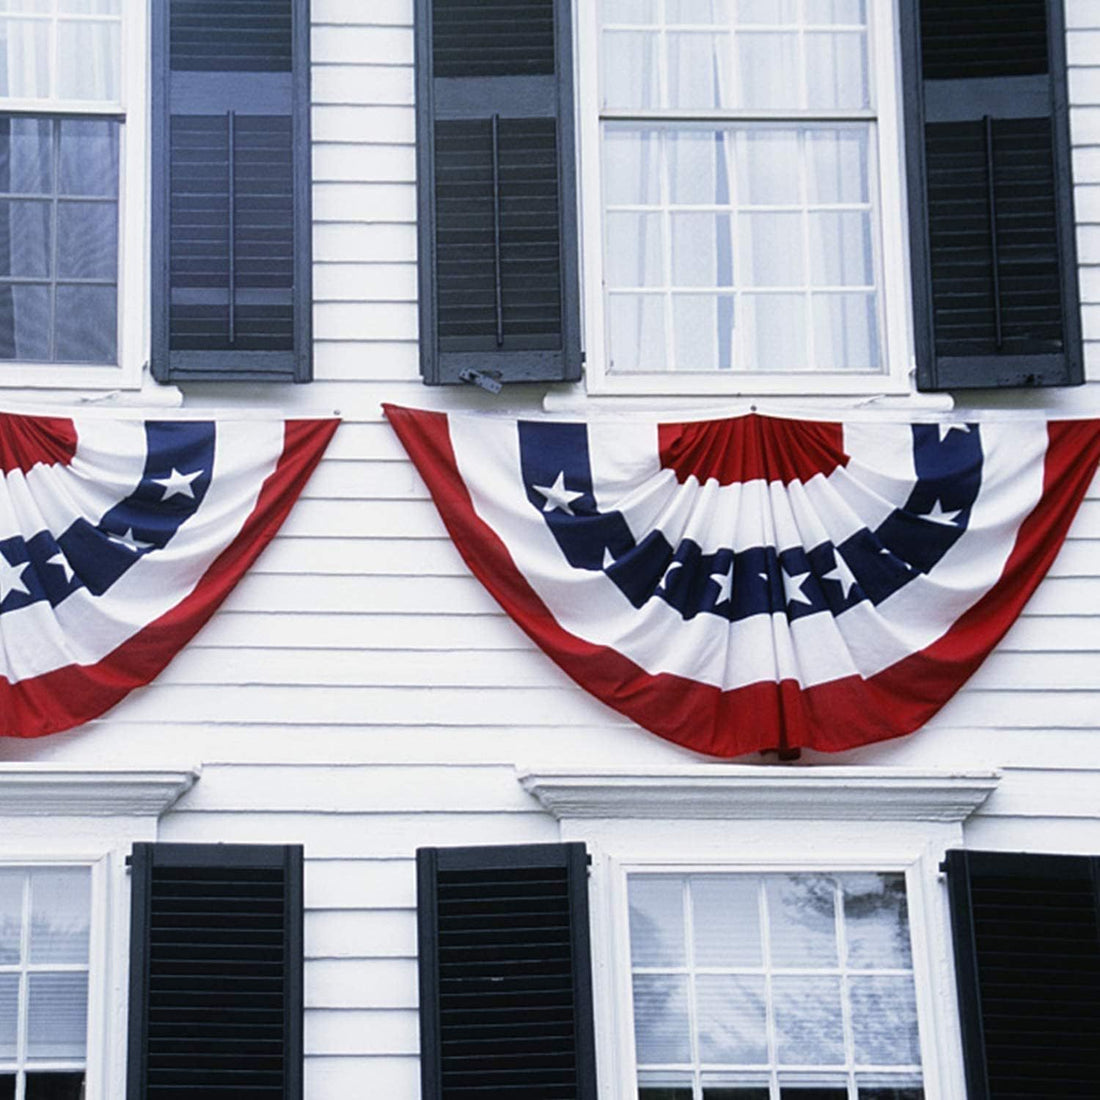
(773, 987)
(45, 925)
(786, 282)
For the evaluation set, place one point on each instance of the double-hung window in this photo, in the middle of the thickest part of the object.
(743, 148)
(71, 181)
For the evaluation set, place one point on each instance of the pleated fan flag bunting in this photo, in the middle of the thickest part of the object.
(758, 583)
(118, 541)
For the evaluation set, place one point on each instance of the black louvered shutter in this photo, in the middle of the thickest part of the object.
(231, 190)
(1027, 956)
(505, 975)
(990, 194)
(497, 219)
(215, 972)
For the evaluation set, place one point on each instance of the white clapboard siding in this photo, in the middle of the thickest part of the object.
(361, 694)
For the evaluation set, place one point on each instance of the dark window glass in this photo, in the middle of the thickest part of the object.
(55, 1086)
(7, 1088)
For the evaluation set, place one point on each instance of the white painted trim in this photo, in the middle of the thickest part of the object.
(57, 790)
(747, 792)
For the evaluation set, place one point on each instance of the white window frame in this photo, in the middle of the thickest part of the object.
(759, 820)
(65, 816)
(890, 231)
(133, 217)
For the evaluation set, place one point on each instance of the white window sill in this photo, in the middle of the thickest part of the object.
(19, 397)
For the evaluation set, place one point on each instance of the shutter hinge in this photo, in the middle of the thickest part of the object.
(943, 867)
(486, 379)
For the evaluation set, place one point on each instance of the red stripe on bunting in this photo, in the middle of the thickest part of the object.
(75, 694)
(29, 441)
(839, 715)
(751, 448)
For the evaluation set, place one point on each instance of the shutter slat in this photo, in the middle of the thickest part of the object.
(216, 993)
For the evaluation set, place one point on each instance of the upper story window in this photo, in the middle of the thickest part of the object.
(67, 189)
(773, 987)
(739, 171)
(45, 923)
(742, 149)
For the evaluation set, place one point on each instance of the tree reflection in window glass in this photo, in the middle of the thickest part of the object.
(773, 987)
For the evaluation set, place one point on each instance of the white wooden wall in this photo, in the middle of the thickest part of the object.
(360, 693)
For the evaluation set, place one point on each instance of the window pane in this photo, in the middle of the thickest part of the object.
(89, 7)
(629, 11)
(726, 920)
(26, 157)
(768, 167)
(629, 70)
(11, 914)
(837, 168)
(24, 58)
(25, 238)
(802, 918)
(835, 11)
(87, 240)
(771, 250)
(768, 12)
(25, 323)
(86, 320)
(886, 1092)
(631, 164)
(657, 921)
(88, 60)
(60, 910)
(744, 1092)
(768, 70)
(840, 248)
(845, 332)
(637, 332)
(714, 12)
(57, 1016)
(9, 1014)
(731, 1018)
(773, 328)
(635, 256)
(698, 71)
(55, 1086)
(836, 71)
(703, 331)
(664, 1092)
(698, 167)
(876, 921)
(702, 250)
(7, 1087)
(808, 1021)
(662, 1032)
(89, 157)
(884, 1020)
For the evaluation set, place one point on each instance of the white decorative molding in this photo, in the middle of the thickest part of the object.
(738, 791)
(63, 790)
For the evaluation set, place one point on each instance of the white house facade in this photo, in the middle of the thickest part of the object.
(695, 208)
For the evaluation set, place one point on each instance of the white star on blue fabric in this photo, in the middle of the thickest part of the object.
(947, 429)
(177, 484)
(793, 583)
(842, 575)
(62, 563)
(557, 495)
(11, 578)
(725, 585)
(130, 540)
(938, 515)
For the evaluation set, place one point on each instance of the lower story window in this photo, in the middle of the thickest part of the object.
(44, 948)
(773, 987)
